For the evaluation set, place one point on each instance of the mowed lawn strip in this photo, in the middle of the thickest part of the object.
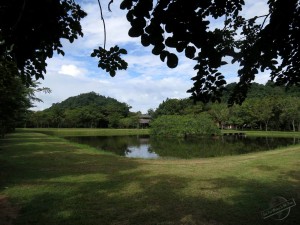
(63, 132)
(258, 133)
(48, 180)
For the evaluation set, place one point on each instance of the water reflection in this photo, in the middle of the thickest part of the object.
(146, 147)
(141, 151)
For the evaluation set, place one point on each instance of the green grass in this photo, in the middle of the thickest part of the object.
(63, 132)
(53, 181)
(258, 133)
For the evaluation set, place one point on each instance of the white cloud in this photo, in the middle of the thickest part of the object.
(71, 70)
(142, 94)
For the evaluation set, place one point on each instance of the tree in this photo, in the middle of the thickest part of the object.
(235, 117)
(261, 110)
(30, 31)
(15, 99)
(291, 111)
(255, 43)
(220, 113)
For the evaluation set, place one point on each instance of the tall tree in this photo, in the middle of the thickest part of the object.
(291, 111)
(261, 110)
(14, 99)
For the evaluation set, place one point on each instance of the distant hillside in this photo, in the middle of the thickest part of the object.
(263, 90)
(89, 99)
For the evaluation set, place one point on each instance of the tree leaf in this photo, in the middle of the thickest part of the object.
(190, 52)
(123, 51)
(163, 55)
(172, 60)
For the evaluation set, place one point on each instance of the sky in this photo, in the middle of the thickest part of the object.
(144, 85)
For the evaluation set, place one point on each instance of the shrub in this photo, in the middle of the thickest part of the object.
(183, 126)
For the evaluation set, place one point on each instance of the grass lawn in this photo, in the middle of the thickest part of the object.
(47, 180)
(63, 132)
(258, 133)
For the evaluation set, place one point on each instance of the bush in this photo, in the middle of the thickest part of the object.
(183, 126)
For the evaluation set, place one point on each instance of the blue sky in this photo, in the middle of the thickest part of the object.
(146, 82)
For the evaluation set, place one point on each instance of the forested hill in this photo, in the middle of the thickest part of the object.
(260, 91)
(84, 110)
(90, 99)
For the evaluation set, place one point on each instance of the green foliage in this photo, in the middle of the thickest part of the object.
(183, 126)
(110, 60)
(291, 112)
(178, 107)
(220, 113)
(89, 110)
(267, 107)
(132, 121)
(14, 97)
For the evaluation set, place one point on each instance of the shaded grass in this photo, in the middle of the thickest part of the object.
(54, 181)
(63, 132)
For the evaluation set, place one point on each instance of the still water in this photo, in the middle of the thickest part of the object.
(151, 148)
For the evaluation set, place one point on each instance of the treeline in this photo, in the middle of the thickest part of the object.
(267, 107)
(89, 110)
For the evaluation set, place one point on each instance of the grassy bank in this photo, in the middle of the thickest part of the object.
(63, 132)
(48, 180)
(258, 133)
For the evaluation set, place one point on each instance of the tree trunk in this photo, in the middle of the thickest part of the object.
(266, 124)
(293, 125)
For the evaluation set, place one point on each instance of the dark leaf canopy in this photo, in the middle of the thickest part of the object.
(268, 41)
(31, 30)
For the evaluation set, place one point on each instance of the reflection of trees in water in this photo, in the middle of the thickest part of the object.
(193, 148)
(187, 148)
(212, 147)
(116, 144)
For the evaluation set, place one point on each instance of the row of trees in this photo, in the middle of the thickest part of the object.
(256, 113)
(267, 107)
(260, 113)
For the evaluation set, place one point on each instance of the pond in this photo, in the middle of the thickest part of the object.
(151, 148)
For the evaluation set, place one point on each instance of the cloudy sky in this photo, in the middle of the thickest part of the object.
(146, 82)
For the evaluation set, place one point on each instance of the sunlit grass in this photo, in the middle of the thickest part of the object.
(259, 133)
(54, 181)
(85, 131)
